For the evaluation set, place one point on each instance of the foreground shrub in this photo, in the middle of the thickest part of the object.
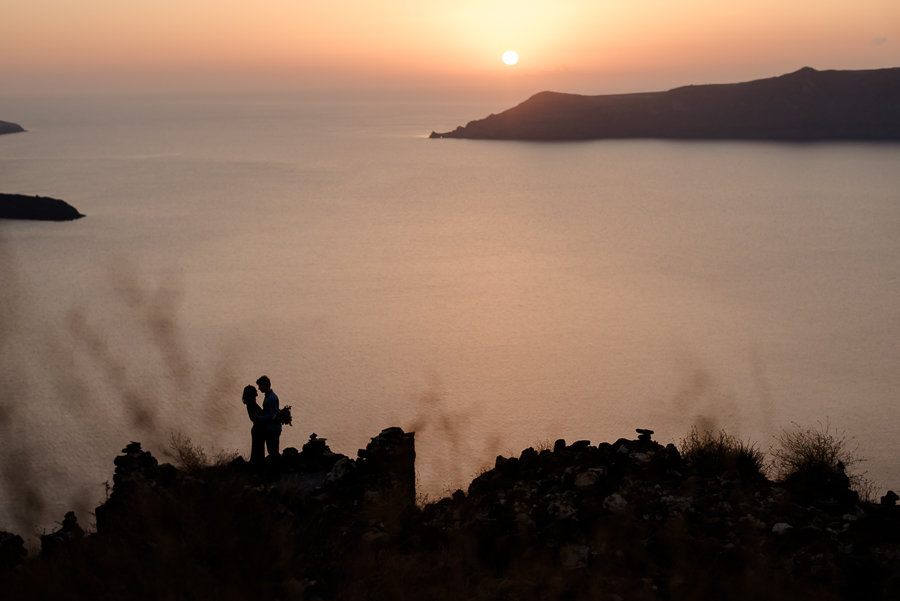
(713, 454)
(185, 454)
(820, 458)
(190, 457)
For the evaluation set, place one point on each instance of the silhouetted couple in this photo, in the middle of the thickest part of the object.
(266, 430)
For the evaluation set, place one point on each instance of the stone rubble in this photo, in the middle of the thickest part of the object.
(630, 520)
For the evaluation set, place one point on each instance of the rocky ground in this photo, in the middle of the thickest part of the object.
(630, 520)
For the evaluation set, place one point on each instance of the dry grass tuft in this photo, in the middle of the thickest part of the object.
(715, 453)
(807, 450)
(186, 456)
(189, 457)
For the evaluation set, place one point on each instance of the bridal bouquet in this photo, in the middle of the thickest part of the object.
(284, 415)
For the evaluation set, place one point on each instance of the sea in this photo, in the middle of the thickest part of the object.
(488, 295)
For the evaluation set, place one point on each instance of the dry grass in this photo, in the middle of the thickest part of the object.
(802, 449)
(190, 457)
(715, 453)
(185, 454)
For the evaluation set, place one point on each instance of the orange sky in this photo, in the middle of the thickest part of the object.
(587, 46)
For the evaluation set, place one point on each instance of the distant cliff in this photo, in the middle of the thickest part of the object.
(43, 208)
(804, 105)
(10, 128)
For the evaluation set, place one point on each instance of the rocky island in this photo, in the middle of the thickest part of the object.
(10, 128)
(804, 105)
(43, 208)
(631, 520)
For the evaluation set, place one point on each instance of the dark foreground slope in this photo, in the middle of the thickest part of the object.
(43, 208)
(805, 105)
(632, 521)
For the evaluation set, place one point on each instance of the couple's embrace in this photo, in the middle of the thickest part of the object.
(267, 420)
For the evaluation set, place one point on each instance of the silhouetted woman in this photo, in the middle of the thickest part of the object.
(258, 431)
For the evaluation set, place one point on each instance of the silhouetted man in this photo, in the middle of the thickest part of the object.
(269, 416)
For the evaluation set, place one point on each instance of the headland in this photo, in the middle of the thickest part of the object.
(806, 105)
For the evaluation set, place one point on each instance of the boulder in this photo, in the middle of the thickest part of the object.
(69, 533)
(12, 551)
(387, 467)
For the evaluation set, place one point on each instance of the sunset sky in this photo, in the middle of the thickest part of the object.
(586, 46)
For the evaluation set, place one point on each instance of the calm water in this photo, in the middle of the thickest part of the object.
(489, 295)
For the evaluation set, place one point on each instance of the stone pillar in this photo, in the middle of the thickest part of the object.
(387, 468)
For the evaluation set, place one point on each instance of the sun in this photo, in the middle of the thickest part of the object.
(510, 57)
